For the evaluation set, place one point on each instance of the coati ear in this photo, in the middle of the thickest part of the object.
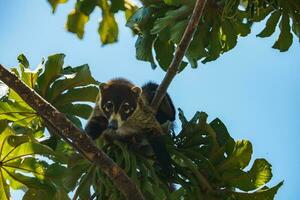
(103, 86)
(136, 90)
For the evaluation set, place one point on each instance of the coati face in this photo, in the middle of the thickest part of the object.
(118, 102)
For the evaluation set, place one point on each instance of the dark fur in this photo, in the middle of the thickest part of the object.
(166, 111)
(119, 91)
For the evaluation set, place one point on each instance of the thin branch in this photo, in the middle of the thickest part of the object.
(68, 131)
(179, 53)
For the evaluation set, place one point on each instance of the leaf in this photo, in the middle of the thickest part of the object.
(182, 118)
(76, 22)
(296, 25)
(143, 47)
(265, 194)
(241, 28)
(177, 31)
(26, 181)
(86, 6)
(174, 2)
(28, 76)
(238, 179)
(53, 70)
(80, 110)
(73, 175)
(214, 48)
(54, 3)
(229, 35)
(73, 77)
(223, 136)
(260, 172)
(197, 50)
(240, 156)
(28, 148)
(4, 188)
(141, 19)
(117, 5)
(74, 120)
(270, 25)
(130, 9)
(108, 29)
(37, 194)
(23, 60)
(75, 94)
(285, 39)
(83, 190)
(230, 8)
(17, 112)
(164, 52)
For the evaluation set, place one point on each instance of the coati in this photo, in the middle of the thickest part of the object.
(125, 108)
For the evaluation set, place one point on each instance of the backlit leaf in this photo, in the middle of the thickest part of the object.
(76, 22)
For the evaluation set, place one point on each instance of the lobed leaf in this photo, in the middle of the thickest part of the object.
(76, 22)
(52, 71)
(270, 25)
(285, 39)
(55, 3)
(260, 172)
(239, 158)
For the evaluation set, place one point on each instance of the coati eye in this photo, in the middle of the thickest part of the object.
(127, 108)
(108, 106)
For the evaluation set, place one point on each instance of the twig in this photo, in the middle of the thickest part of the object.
(179, 53)
(69, 132)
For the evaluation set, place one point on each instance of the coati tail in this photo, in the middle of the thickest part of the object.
(166, 111)
(163, 158)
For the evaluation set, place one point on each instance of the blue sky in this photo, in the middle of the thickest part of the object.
(253, 89)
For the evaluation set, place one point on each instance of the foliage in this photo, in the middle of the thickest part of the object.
(208, 162)
(108, 27)
(160, 24)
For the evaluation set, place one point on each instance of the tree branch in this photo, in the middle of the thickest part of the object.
(69, 132)
(179, 53)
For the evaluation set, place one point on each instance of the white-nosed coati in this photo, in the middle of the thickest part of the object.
(125, 108)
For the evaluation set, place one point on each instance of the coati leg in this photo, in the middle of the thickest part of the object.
(96, 124)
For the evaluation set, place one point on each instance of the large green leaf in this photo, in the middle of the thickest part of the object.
(4, 187)
(285, 39)
(164, 52)
(263, 194)
(108, 28)
(260, 172)
(73, 77)
(17, 112)
(143, 47)
(75, 95)
(17, 154)
(80, 110)
(238, 179)
(222, 135)
(53, 70)
(270, 25)
(239, 158)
